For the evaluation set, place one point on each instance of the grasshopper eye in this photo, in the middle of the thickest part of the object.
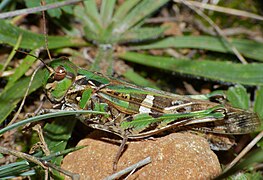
(60, 73)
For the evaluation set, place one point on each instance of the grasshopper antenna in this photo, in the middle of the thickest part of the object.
(24, 98)
(45, 30)
(33, 75)
(29, 85)
(48, 68)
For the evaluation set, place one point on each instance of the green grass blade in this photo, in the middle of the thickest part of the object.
(9, 34)
(142, 10)
(22, 168)
(56, 12)
(47, 116)
(10, 97)
(138, 79)
(90, 16)
(20, 70)
(141, 34)
(249, 74)
(248, 48)
(12, 54)
(14, 169)
(124, 9)
(106, 11)
(92, 12)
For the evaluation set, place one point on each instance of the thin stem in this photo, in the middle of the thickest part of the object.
(129, 169)
(37, 9)
(244, 151)
(217, 29)
(30, 158)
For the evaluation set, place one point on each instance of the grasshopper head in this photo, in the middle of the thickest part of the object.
(62, 76)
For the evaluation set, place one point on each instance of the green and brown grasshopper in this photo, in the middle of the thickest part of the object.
(135, 112)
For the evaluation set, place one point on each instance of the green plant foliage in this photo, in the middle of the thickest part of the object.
(246, 176)
(57, 12)
(248, 48)
(116, 25)
(250, 160)
(259, 102)
(10, 33)
(238, 97)
(109, 27)
(10, 97)
(23, 168)
(225, 71)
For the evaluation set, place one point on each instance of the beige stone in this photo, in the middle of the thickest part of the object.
(175, 156)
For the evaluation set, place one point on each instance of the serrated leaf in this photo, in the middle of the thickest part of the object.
(238, 97)
(247, 74)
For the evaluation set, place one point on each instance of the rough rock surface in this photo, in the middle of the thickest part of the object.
(175, 156)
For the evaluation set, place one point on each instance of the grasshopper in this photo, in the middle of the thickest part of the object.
(137, 112)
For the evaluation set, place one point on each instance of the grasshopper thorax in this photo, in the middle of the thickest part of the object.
(60, 79)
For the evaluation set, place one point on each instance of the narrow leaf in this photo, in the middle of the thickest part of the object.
(106, 12)
(247, 74)
(248, 48)
(137, 35)
(10, 98)
(12, 54)
(89, 15)
(20, 70)
(9, 34)
(47, 116)
(138, 79)
(142, 10)
(125, 8)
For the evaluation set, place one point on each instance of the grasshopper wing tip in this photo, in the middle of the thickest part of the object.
(243, 122)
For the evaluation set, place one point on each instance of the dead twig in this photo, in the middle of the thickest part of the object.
(37, 9)
(225, 10)
(129, 169)
(244, 151)
(24, 99)
(25, 156)
(73, 176)
(217, 29)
